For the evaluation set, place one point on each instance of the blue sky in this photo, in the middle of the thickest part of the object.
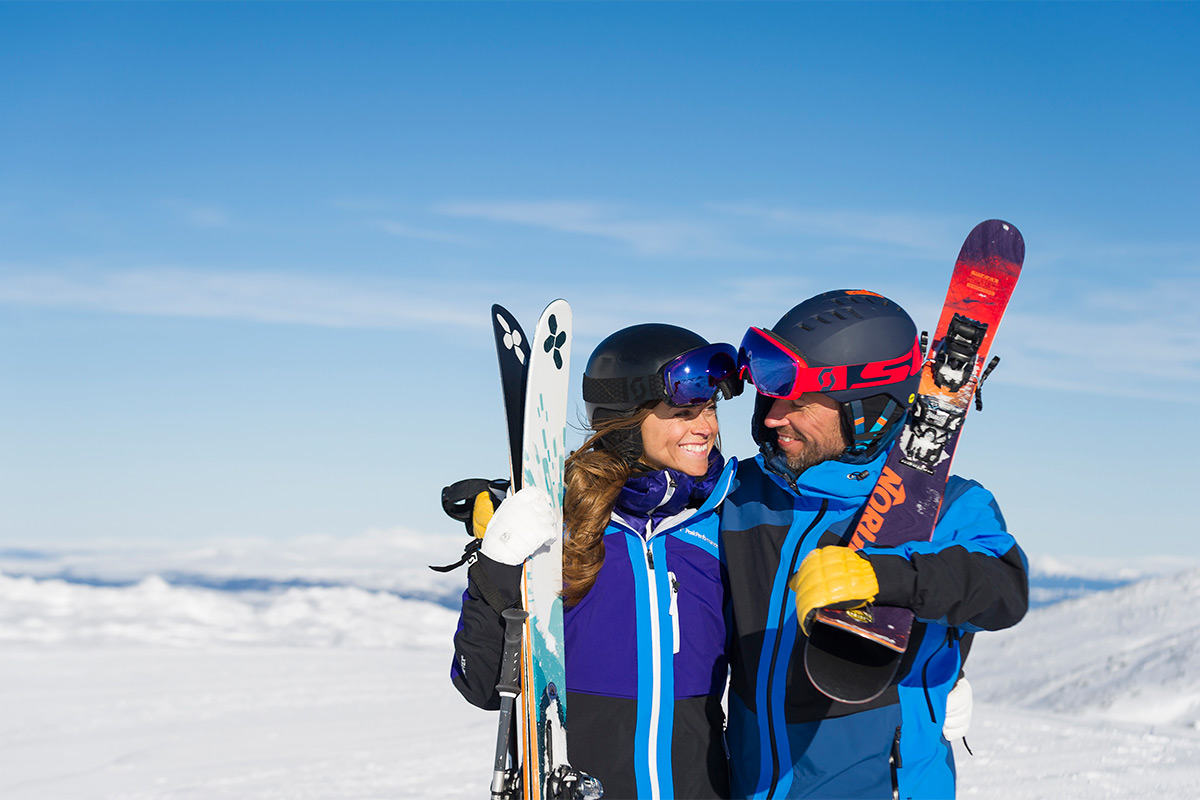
(247, 251)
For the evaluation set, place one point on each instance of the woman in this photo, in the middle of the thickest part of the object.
(643, 622)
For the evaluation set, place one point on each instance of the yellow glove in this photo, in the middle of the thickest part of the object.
(481, 513)
(832, 576)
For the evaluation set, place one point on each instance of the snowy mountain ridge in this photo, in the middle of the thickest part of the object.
(1130, 654)
(396, 560)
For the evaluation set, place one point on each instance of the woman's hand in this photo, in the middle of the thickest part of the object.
(522, 525)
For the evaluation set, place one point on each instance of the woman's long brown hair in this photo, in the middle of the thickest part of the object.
(594, 477)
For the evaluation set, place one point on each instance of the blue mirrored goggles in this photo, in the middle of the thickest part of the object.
(697, 375)
(689, 379)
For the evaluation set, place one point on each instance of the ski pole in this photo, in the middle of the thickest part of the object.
(509, 686)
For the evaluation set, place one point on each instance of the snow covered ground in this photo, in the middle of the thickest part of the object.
(317, 669)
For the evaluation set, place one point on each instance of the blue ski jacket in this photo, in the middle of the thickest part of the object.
(645, 647)
(788, 740)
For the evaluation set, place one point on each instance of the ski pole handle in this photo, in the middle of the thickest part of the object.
(510, 669)
(509, 686)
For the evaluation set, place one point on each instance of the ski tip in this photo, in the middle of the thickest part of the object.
(503, 317)
(994, 238)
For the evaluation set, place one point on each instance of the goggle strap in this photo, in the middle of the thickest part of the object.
(731, 387)
(623, 391)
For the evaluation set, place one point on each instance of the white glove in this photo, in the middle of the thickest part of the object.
(521, 525)
(958, 711)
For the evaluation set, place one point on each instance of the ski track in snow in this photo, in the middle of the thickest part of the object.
(151, 690)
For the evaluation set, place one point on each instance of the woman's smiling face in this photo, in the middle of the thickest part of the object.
(680, 438)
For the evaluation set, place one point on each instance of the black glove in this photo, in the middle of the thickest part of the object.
(458, 499)
(464, 500)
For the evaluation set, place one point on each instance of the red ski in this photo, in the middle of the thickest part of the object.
(853, 655)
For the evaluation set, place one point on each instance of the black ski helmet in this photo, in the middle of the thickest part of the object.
(624, 372)
(853, 326)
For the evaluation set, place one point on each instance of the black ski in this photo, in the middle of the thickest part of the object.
(512, 351)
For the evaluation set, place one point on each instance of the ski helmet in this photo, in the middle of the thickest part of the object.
(656, 362)
(856, 346)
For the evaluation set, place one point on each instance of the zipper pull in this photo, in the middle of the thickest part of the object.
(649, 558)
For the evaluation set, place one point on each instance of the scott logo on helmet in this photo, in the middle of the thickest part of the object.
(888, 492)
(875, 373)
(893, 371)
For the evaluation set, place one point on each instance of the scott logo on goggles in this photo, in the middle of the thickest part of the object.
(887, 493)
(639, 390)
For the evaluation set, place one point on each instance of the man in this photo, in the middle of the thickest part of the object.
(795, 504)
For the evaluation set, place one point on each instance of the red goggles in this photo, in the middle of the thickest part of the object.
(778, 371)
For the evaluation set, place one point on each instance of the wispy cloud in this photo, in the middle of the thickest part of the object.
(1143, 342)
(259, 297)
(406, 231)
(645, 236)
(200, 215)
(925, 234)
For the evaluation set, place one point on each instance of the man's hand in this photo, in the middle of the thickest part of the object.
(832, 576)
(521, 525)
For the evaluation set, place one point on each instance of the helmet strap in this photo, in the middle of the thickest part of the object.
(867, 421)
(624, 443)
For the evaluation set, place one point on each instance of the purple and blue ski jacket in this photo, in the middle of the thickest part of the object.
(645, 647)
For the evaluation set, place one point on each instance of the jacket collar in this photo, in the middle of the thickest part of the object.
(656, 496)
(836, 479)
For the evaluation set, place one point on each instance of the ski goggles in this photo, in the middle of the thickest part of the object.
(690, 379)
(778, 371)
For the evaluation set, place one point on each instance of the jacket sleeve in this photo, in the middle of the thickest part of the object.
(971, 575)
(479, 640)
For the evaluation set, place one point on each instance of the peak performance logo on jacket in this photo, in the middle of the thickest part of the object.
(699, 536)
(888, 492)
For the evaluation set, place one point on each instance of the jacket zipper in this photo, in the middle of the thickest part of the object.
(781, 616)
(656, 669)
(674, 611)
(947, 641)
(655, 649)
(896, 764)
